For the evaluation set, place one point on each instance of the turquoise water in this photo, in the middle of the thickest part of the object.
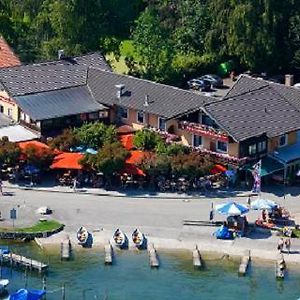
(130, 277)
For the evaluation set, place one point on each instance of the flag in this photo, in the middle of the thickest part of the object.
(257, 177)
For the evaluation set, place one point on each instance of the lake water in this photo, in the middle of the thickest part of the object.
(130, 278)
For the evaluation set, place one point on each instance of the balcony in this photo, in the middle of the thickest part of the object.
(203, 130)
(222, 158)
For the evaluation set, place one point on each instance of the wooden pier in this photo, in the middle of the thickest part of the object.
(66, 249)
(15, 260)
(197, 261)
(280, 267)
(108, 254)
(153, 257)
(244, 263)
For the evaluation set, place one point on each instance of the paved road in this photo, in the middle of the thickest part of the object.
(75, 209)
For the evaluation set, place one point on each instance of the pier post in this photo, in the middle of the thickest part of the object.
(63, 292)
(108, 254)
(44, 281)
(25, 278)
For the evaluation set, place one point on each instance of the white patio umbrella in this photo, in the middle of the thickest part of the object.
(260, 204)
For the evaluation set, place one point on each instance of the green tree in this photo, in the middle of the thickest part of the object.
(94, 135)
(152, 47)
(9, 152)
(39, 158)
(64, 141)
(109, 160)
(146, 139)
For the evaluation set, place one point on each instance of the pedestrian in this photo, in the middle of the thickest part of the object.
(1, 190)
(288, 245)
(280, 245)
(74, 185)
(249, 201)
(211, 215)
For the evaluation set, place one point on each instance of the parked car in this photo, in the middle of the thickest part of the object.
(214, 80)
(199, 84)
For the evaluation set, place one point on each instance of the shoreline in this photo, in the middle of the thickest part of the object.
(207, 246)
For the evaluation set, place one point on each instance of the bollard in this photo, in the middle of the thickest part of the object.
(63, 292)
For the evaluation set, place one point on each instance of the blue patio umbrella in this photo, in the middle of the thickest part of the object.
(77, 149)
(24, 294)
(232, 208)
(263, 204)
(30, 169)
(91, 151)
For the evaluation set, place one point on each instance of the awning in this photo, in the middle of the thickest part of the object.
(217, 169)
(67, 160)
(269, 166)
(127, 141)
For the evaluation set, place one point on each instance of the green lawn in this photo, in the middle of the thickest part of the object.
(41, 226)
(296, 233)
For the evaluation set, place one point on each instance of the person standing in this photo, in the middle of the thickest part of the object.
(288, 245)
(280, 245)
(75, 185)
(249, 201)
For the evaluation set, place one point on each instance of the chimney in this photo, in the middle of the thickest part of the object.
(289, 80)
(61, 54)
(120, 90)
(146, 102)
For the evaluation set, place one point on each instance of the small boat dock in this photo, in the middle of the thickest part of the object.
(153, 257)
(66, 249)
(280, 267)
(19, 261)
(108, 254)
(197, 261)
(244, 263)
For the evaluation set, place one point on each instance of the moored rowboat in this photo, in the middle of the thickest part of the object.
(120, 239)
(82, 235)
(138, 238)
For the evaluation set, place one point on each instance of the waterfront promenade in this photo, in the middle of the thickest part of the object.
(159, 216)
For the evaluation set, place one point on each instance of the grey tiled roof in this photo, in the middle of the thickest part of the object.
(54, 104)
(244, 85)
(165, 101)
(252, 113)
(47, 76)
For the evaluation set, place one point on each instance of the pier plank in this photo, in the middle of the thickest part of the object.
(197, 261)
(108, 254)
(153, 257)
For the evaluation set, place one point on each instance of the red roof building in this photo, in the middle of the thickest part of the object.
(7, 56)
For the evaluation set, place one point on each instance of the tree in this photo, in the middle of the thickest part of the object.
(109, 160)
(152, 47)
(146, 139)
(9, 152)
(64, 141)
(193, 165)
(39, 158)
(94, 135)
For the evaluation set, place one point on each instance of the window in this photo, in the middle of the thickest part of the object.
(197, 140)
(9, 112)
(93, 116)
(262, 146)
(252, 149)
(140, 116)
(1, 108)
(222, 146)
(123, 112)
(162, 124)
(282, 140)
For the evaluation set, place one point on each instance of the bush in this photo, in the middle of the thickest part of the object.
(64, 141)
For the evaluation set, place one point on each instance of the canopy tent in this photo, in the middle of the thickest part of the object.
(126, 140)
(24, 294)
(131, 162)
(67, 160)
(263, 204)
(218, 169)
(232, 208)
(269, 166)
(38, 146)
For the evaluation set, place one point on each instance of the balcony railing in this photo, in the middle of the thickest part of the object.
(222, 158)
(203, 130)
(168, 137)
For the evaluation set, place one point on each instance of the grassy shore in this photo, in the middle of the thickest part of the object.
(41, 226)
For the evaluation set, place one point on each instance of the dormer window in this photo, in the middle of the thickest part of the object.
(140, 116)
